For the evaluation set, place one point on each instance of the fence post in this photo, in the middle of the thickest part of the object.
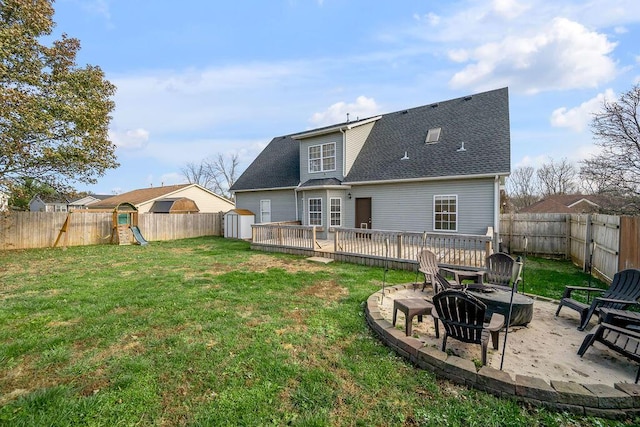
(399, 246)
(567, 246)
(313, 240)
(588, 230)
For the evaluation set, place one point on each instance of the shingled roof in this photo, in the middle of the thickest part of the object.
(277, 166)
(137, 197)
(474, 141)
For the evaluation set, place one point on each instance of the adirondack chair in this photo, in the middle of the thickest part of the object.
(441, 283)
(428, 265)
(503, 272)
(623, 292)
(463, 318)
(619, 330)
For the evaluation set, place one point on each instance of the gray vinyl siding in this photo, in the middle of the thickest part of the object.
(409, 206)
(356, 138)
(283, 204)
(304, 157)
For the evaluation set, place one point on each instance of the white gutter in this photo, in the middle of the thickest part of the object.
(325, 187)
(265, 189)
(436, 178)
(333, 129)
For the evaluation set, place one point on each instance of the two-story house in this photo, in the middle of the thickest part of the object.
(434, 168)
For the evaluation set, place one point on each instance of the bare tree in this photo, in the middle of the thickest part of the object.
(217, 173)
(522, 187)
(616, 129)
(557, 177)
(223, 172)
(197, 173)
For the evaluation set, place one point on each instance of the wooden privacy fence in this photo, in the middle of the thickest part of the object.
(609, 242)
(27, 230)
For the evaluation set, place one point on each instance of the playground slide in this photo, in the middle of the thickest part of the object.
(138, 236)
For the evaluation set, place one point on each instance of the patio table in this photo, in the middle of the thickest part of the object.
(411, 307)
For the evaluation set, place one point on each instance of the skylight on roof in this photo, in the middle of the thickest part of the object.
(433, 135)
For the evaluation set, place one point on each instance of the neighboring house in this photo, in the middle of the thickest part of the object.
(435, 168)
(84, 202)
(144, 199)
(48, 203)
(573, 203)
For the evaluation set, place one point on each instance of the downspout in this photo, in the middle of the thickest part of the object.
(496, 213)
(303, 207)
(344, 153)
(295, 197)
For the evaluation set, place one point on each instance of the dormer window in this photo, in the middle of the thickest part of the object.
(322, 158)
(433, 135)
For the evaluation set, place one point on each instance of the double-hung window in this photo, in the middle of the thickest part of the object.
(315, 211)
(445, 213)
(322, 157)
(335, 212)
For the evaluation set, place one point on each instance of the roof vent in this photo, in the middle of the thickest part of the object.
(433, 135)
(468, 98)
(434, 105)
(405, 157)
(462, 147)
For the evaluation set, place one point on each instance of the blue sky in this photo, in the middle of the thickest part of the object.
(198, 78)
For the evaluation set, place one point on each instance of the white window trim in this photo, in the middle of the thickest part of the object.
(339, 199)
(448, 196)
(309, 211)
(322, 158)
(263, 211)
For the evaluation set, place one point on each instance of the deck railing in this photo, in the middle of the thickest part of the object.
(451, 249)
(285, 235)
(464, 250)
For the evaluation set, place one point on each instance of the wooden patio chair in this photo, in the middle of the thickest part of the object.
(428, 265)
(441, 283)
(621, 339)
(502, 271)
(623, 293)
(463, 318)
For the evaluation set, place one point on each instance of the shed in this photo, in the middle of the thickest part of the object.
(237, 224)
(174, 205)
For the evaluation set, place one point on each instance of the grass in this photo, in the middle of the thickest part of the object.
(206, 332)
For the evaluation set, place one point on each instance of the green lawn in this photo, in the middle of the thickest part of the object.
(206, 332)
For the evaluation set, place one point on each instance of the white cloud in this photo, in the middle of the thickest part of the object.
(337, 113)
(430, 18)
(130, 139)
(509, 9)
(579, 118)
(565, 55)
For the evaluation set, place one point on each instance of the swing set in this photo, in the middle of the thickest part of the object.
(124, 225)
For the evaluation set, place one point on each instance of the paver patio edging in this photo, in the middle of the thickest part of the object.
(618, 402)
